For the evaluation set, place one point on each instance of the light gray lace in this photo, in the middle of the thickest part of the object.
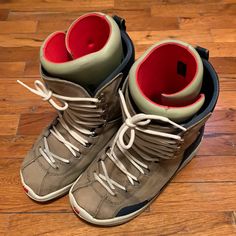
(82, 114)
(158, 144)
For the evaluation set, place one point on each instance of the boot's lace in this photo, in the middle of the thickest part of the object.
(82, 114)
(158, 145)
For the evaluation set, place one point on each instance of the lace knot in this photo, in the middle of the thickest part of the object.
(129, 123)
(47, 96)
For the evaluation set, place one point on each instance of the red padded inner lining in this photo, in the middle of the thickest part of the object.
(157, 74)
(87, 35)
(55, 48)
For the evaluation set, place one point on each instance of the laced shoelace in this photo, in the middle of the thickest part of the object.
(159, 144)
(82, 114)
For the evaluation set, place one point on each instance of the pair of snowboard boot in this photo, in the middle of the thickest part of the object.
(124, 129)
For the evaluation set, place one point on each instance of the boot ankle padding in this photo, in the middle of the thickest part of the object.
(167, 80)
(87, 53)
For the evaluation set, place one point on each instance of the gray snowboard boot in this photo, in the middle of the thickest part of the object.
(88, 108)
(170, 94)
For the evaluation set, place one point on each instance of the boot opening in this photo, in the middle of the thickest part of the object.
(167, 69)
(87, 35)
(55, 48)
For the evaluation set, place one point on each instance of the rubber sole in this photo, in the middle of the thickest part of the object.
(82, 213)
(47, 197)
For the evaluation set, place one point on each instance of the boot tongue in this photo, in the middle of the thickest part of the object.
(167, 81)
(88, 53)
(64, 87)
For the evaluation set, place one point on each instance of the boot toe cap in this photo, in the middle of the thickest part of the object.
(32, 176)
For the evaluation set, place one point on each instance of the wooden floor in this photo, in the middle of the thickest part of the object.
(201, 200)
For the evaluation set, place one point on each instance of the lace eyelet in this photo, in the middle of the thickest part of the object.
(147, 172)
(102, 125)
(136, 184)
(105, 123)
(87, 145)
(104, 116)
(107, 149)
(94, 134)
(78, 156)
(101, 98)
(105, 108)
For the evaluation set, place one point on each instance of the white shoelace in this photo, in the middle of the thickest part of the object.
(74, 109)
(160, 144)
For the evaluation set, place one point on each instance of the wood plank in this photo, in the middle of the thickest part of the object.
(192, 10)
(33, 124)
(173, 223)
(132, 23)
(24, 105)
(22, 101)
(4, 14)
(46, 15)
(223, 65)
(208, 22)
(15, 54)
(208, 169)
(22, 40)
(51, 26)
(223, 35)
(217, 49)
(134, 4)
(9, 124)
(191, 36)
(50, 21)
(222, 121)
(128, 14)
(16, 146)
(218, 144)
(57, 5)
(225, 100)
(220, 49)
(10, 69)
(227, 84)
(150, 23)
(32, 68)
(8, 27)
(188, 197)
(225, 75)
